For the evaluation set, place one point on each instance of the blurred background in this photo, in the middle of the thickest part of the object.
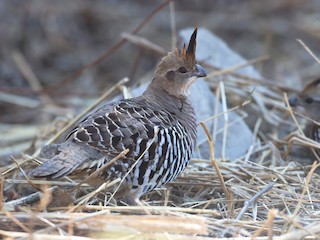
(42, 43)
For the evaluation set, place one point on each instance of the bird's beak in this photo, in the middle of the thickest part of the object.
(199, 71)
(293, 101)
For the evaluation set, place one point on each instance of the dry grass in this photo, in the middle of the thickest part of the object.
(258, 196)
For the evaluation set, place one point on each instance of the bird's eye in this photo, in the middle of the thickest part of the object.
(309, 100)
(182, 70)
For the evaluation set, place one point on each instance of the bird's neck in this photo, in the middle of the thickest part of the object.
(178, 106)
(165, 99)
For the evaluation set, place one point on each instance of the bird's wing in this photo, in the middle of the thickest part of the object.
(122, 125)
(104, 134)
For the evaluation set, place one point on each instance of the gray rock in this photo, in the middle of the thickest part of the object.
(212, 50)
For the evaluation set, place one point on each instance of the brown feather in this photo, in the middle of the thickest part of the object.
(192, 44)
(311, 86)
(189, 53)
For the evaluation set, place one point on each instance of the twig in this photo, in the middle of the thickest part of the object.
(227, 111)
(18, 222)
(19, 235)
(226, 119)
(133, 72)
(267, 225)
(1, 191)
(295, 222)
(154, 209)
(292, 115)
(242, 78)
(19, 100)
(308, 50)
(144, 43)
(24, 174)
(214, 162)
(215, 113)
(32, 198)
(173, 25)
(312, 230)
(42, 182)
(106, 210)
(236, 67)
(29, 75)
(250, 202)
(308, 179)
(87, 197)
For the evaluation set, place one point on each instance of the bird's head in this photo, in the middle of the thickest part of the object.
(309, 99)
(178, 70)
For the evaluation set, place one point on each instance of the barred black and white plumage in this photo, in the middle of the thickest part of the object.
(158, 128)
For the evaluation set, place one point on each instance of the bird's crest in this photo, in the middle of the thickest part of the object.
(312, 86)
(189, 54)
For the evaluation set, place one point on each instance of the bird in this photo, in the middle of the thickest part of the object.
(158, 129)
(309, 100)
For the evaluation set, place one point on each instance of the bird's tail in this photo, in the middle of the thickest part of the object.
(63, 159)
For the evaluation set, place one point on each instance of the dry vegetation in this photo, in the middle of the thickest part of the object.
(261, 195)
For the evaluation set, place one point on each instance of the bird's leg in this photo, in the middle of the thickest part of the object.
(132, 200)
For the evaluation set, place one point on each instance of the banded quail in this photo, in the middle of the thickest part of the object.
(309, 99)
(158, 128)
